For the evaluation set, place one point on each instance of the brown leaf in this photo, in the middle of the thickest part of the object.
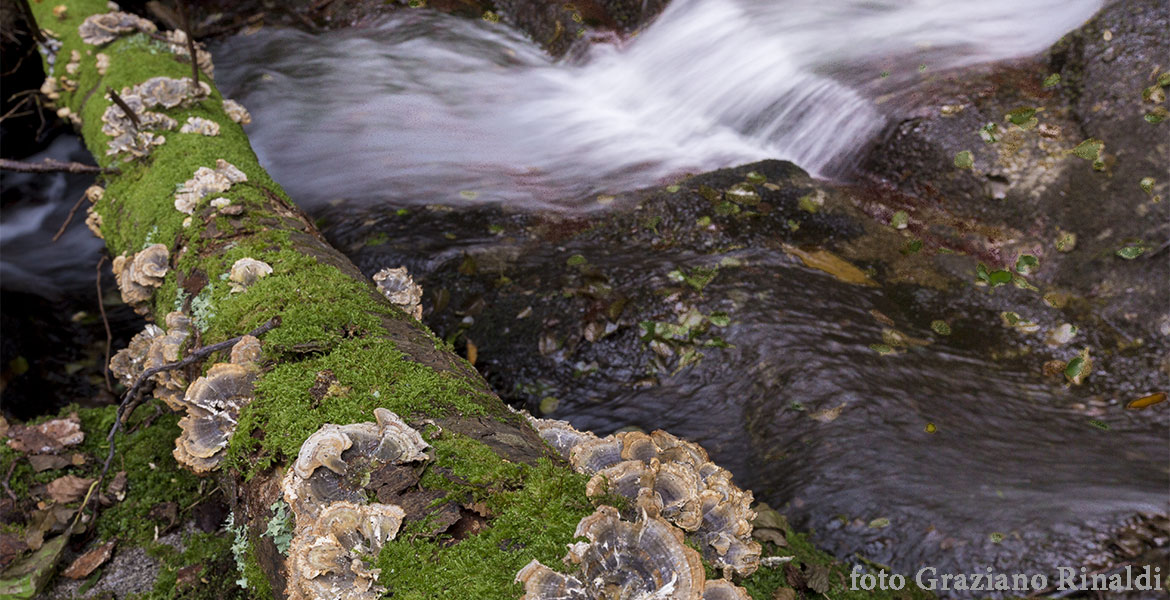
(117, 487)
(472, 352)
(91, 560)
(45, 462)
(784, 594)
(69, 488)
(47, 437)
(188, 576)
(770, 535)
(817, 577)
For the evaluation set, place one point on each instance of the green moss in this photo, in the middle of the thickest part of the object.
(534, 521)
(372, 373)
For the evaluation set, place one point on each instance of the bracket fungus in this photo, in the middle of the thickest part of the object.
(201, 126)
(247, 271)
(104, 28)
(326, 560)
(207, 182)
(134, 135)
(152, 348)
(139, 274)
(399, 287)
(213, 404)
(642, 560)
(346, 452)
(669, 477)
(335, 523)
(236, 111)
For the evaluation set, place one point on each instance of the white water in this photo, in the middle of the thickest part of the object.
(428, 108)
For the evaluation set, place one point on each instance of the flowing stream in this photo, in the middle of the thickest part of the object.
(427, 108)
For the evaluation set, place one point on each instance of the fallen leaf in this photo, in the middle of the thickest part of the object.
(11, 546)
(817, 577)
(1146, 401)
(830, 263)
(828, 415)
(91, 560)
(770, 535)
(117, 487)
(45, 462)
(69, 488)
(784, 594)
(47, 437)
(472, 352)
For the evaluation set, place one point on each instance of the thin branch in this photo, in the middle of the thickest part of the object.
(106, 322)
(125, 107)
(54, 166)
(69, 218)
(186, 17)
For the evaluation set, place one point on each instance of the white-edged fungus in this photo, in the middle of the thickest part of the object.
(137, 140)
(326, 560)
(201, 126)
(398, 286)
(172, 384)
(103, 28)
(236, 111)
(140, 274)
(207, 182)
(721, 589)
(335, 523)
(247, 271)
(93, 220)
(667, 476)
(213, 404)
(645, 559)
(127, 363)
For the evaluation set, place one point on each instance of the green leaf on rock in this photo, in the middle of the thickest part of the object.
(964, 160)
(1026, 263)
(1052, 80)
(1132, 251)
(989, 133)
(900, 220)
(940, 327)
(1021, 116)
(1147, 184)
(1089, 149)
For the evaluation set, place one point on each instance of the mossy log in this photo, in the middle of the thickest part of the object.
(335, 328)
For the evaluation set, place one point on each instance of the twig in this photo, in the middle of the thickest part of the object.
(125, 107)
(190, 42)
(11, 467)
(69, 218)
(196, 355)
(106, 322)
(54, 166)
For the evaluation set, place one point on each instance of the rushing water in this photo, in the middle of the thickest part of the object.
(428, 108)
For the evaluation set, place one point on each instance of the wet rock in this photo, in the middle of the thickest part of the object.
(1061, 146)
(696, 310)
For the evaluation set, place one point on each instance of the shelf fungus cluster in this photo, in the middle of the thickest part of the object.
(138, 275)
(336, 525)
(103, 28)
(177, 40)
(207, 182)
(664, 476)
(645, 559)
(200, 126)
(134, 135)
(398, 286)
(213, 404)
(152, 348)
(236, 111)
(93, 219)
